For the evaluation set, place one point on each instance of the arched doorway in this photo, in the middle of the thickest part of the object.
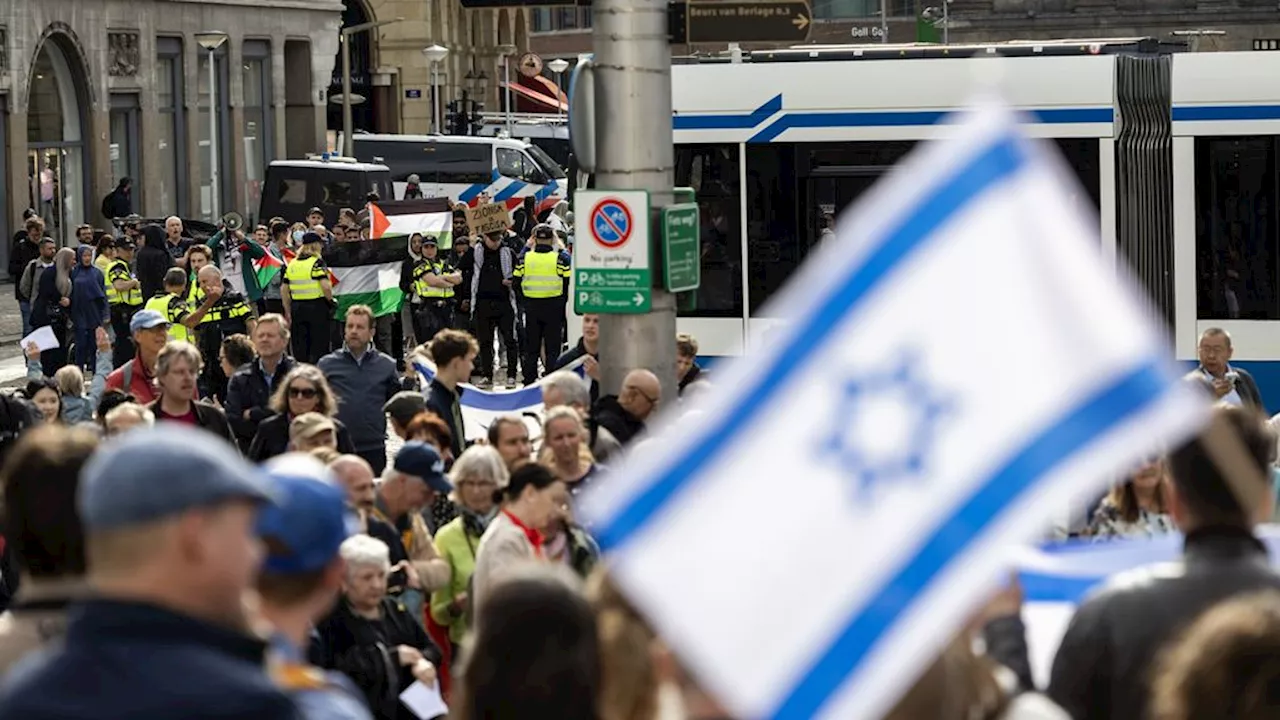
(56, 163)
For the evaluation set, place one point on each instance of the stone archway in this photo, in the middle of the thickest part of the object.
(522, 30)
(58, 98)
(363, 61)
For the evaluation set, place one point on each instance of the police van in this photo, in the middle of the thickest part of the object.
(465, 168)
(329, 182)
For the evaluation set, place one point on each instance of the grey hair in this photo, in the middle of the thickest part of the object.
(573, 389)
(363, 550)
(479, 461)
(63, 261)
(147, 417)
(213, 270)
(178, 349)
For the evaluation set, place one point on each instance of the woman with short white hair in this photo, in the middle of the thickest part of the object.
(477, 476)
(367, 632)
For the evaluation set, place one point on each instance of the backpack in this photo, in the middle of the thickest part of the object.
(108, 203)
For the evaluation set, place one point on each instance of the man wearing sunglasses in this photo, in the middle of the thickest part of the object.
(626, 413)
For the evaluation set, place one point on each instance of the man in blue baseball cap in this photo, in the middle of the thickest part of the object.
(136, 377)
(168, 515)
(301, 579)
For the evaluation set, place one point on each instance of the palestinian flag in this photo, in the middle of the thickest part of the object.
(368, 272)
(268, 266)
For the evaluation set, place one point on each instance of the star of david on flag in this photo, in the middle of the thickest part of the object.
(970, 243)
(898, 408)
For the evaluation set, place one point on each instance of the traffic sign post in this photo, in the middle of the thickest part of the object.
(681, 248)
(611, 265)
(718, 21)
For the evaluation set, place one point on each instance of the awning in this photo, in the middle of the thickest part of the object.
(545, 97)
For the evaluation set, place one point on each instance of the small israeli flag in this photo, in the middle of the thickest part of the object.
(806, 548)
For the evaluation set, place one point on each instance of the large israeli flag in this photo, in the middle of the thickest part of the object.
(808, 550)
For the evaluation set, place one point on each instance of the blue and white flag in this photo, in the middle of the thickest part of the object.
(959, 362)
(480, 407)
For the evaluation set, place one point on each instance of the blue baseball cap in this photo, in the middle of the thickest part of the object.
(419, 459)
(147, 319)
(310, 519)
(155, 473)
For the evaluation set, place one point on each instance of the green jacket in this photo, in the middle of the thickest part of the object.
(458, 548)
(254, 252)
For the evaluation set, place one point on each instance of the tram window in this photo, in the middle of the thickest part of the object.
(1081, 155)
(712, 172)
(1236, 234)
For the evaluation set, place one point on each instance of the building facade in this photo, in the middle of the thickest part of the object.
(1206, 24)
(93, 91)
(393, 77)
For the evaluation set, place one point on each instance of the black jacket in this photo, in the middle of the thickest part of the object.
(247, 390)
(610, 416)
(695, 374)
(208, 417)
(272, 439)
(1104, 664)
(365, 650)
(141, 662)
(442, 402)
(151, 262)
(23, 252)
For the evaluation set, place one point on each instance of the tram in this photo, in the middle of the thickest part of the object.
(1175, 152)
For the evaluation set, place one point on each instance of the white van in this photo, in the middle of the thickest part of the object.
(461, 167)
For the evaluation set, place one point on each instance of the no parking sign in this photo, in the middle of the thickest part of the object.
(611, 269)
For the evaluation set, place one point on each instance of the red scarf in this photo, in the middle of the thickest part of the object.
(534, 537)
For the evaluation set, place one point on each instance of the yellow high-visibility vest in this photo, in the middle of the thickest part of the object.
(171, 307)
(541, 279)
(301, 285)
(195, 297)
(119, 270)
(420, 286)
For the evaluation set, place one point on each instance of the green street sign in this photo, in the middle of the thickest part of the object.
(612, 291)
(681, 248)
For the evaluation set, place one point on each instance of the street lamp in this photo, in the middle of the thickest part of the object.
(348, 143)
(506, 51)
(558, 66)
(212, 40)
(435, 55)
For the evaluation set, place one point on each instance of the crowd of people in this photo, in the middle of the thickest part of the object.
(201, 518)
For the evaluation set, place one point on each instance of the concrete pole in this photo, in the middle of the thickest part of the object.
(634, 152)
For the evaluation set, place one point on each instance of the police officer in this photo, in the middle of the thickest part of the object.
(230, 315)
(300, 580)
(124, 294)
(170, 304)
(542, 277)
(308, 296)
(433, 281)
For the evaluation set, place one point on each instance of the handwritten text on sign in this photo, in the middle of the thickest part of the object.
(491, 217)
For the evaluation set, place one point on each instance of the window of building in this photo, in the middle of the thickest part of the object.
(209, 207)
(1237, 238)
(171, 136)
(122, 152)
(560, 19)
(855, 9)
(257, 129)
(712, 172)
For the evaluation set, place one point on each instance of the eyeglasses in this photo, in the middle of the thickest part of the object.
(301, 392)
(632, 389)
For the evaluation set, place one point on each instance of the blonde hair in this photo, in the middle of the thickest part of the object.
(546, 456)
(70, 380)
